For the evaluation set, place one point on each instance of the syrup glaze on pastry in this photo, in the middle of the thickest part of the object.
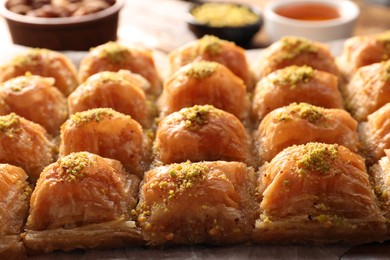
(45, 63)
(303, 123)
(202, 133)
(82, 201)
(193, 203)
(36, 99)
(317, 193)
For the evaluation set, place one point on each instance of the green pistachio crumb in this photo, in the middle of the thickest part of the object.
(114, 52)
(211, 45)
(82, 118)
(73, 166)
(292, 75)
(9, 124)
(317, 157)
(196, 116)
(293, 47)
(202, 69)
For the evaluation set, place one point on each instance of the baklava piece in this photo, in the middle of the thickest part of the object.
(361, 51)
(121, 91)
(290, 51)
(303, 123)
(295, 84)
(108, 133)
(317, 193)
(82, 201)
(375, 134)
(34, 98)
(14, 197)
(380, 173)
(368, 90)
(113, 56)
(211, 48)
(193, 203)
(44, 63)
(25, 144)
(204, 83)
(202, 133)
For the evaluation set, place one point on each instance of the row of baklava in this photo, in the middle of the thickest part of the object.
(199, 133)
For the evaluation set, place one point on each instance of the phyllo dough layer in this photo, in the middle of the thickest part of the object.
(317, 193)
(192, 203)
(82, 201)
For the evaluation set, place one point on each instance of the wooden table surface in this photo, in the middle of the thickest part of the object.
(160, 24)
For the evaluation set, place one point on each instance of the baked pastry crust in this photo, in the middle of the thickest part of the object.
(15, 194)
(204, 83)
(295, 84)
(368, 90)
(121, 91)
(202, 133)
(193, 203)
(211, 48)
(113, 56)
(374, 136)
(361, 51)
(46, 63)
(25, 144)
(317, 193)
(82, 201)
(35, 98)
(108, 133)
(297, 51)
(303, 123)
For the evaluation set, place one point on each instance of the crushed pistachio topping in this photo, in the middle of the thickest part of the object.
(73, 166)
(9, 124)
(114, 52)
(196, 116)
(386, 71)
(183, 177)
(210, 44)
(202, 69)
(224, 14)
(312, 114)
(30, 58)
(81, 118)
(292, 75)
(317, 157)
(329, 220)
(19, 83)
(293, 47)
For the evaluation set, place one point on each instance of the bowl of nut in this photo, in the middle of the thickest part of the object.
(62, 24)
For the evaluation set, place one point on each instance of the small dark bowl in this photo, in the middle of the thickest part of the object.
(64, 33)
(241, 35)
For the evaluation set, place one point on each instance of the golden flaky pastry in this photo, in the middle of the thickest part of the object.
(303, 123)
(108, 133)
(43, 62)
(202, 133)
(368, 90)
(113, 56)
(374, 134)
(121, 91)
(82, 201)
(211, 48)
(295, 84)
(204, 83)
(25, 144)
(297, 51)
(317, 193)
(36, 99)
(193, 203)
(14, 197)
(360, 51)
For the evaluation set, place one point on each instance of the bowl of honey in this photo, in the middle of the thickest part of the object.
(318, 20)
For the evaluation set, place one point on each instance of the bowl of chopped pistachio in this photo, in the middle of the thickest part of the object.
(234, 22)
(62, 25)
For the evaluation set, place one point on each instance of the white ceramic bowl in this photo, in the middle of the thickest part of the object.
(277, 26)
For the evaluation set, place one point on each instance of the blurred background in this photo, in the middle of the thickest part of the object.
(160, 24)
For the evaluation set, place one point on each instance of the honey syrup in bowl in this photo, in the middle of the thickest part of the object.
(308, 12)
